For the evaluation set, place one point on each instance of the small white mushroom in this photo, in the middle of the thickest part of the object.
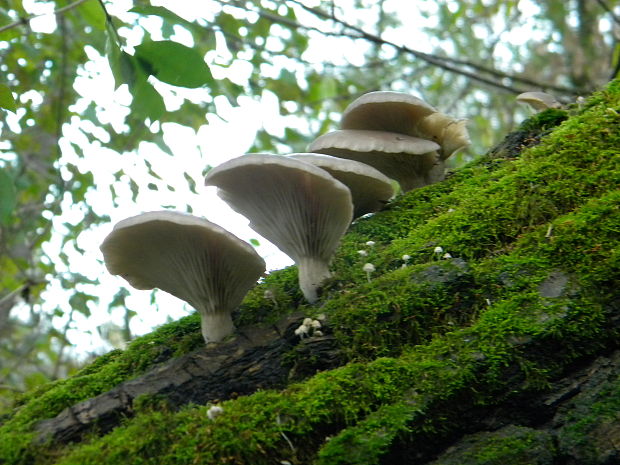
(539, 101)
(369, 268)
(300, 208)
(214, 412)
(302, 331)
(188, 257)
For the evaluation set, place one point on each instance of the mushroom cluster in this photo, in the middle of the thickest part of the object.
(303, 203)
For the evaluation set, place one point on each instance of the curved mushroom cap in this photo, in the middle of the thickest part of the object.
(385, 111)
(451, 134)
(405, 114)
(403, 158)
(188, 257)
(539, 101)
(299, 207)
(370, 189)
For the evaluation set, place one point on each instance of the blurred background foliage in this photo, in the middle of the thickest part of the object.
(467, 58)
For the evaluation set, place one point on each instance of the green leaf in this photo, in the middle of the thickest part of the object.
(6, 99)
(174, 63)
(122, 64)
(147, 102)
(8, 197)
(190, 183)
(328, 88)
(254, 242)
(94, 15)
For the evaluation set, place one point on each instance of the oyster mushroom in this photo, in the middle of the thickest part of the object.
(539, 101)
(385, 111)
(451, 134)
(300, 208)
(409, 115)
(370, 189)
(409, 160)
(189, 257)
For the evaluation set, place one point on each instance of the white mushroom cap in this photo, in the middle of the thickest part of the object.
(385, 111)
(299, 207)
(408, 160)
(405, 114)
(370, 189)
(539, 101)
(188, 257)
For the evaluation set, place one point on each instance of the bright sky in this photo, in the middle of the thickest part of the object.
(228, 134)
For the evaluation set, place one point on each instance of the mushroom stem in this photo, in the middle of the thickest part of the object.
(312, 273)
(216, 326)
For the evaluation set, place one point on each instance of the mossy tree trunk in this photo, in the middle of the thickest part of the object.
(506, 352)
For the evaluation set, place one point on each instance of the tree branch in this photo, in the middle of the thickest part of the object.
(608, 9)
(439, 61)
(27, 19)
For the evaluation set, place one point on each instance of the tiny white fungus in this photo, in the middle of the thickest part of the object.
(368, 268)
(214, 412)
(302, 331)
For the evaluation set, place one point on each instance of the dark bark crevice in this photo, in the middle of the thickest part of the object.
(263, 358)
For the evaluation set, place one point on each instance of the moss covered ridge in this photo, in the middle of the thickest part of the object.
(530, 292)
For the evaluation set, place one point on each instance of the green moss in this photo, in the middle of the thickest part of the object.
(277, 295)
(372, 404)
(257, 428)
(424, 338)
(511, 445)
(405, 306)
(100, 376)
(587, 429)
(544, 120)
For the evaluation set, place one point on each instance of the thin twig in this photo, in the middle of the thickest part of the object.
(609, 10)
(110, 23)
(27, 19)
(440, 61)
